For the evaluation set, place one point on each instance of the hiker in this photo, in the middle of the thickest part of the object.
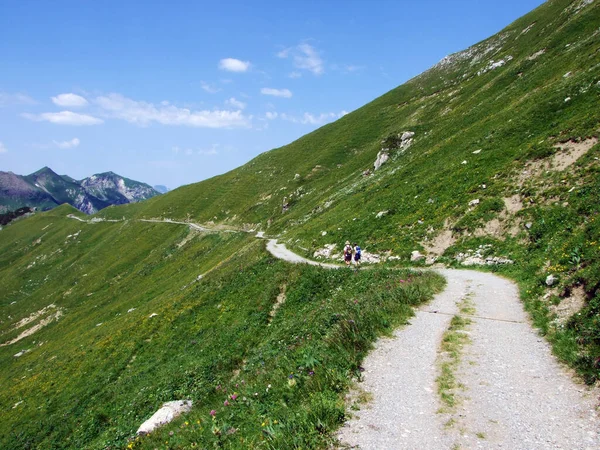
(357, 254)
(348, 253)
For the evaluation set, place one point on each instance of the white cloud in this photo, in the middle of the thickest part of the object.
(284, 53)
(64, 118)
(235, 103)
(143, 113)
(285, 93)
(294, 75)
(308, 58)
(305, 57)
(67, 144)
(3, 149)
(312, 119)
(271, 115)
(69, 100)
(234, 65)
(209, 88)
(7, 99)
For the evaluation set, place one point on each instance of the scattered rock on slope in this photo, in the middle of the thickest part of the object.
(168, 412)
(416, 256)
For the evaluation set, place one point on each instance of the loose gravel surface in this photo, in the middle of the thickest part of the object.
(514, 394)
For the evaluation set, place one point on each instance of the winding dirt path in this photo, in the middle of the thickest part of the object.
(280, 251)
(513, 393)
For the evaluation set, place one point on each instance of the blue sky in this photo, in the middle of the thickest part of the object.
(176, 92)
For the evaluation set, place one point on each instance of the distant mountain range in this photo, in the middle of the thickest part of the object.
(45, 189)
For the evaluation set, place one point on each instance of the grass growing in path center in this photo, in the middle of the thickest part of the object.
(453, 341)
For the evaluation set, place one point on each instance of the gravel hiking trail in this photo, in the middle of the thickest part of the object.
(280, 251)
(513, 393)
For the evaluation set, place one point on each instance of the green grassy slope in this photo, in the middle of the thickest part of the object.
(137, 328)
(89, 378)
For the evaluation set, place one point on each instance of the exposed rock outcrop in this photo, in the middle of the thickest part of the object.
(382, 158)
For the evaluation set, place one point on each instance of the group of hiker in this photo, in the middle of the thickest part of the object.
(351, 251)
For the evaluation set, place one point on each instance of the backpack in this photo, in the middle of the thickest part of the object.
(357, 248)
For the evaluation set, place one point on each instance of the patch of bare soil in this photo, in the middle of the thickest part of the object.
(278, 302)
(441, 242)
(41, 324)
(514, 228)
(570, 305)
(513, 204)
(492, 228)
(570, 152)
(33, 316)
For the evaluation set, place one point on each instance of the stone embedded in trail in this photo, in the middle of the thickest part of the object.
(474, 202)
(168, 412)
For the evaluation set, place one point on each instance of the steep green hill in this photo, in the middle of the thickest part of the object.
(504, 163)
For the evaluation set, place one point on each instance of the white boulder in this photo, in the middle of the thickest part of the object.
(168, 412)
